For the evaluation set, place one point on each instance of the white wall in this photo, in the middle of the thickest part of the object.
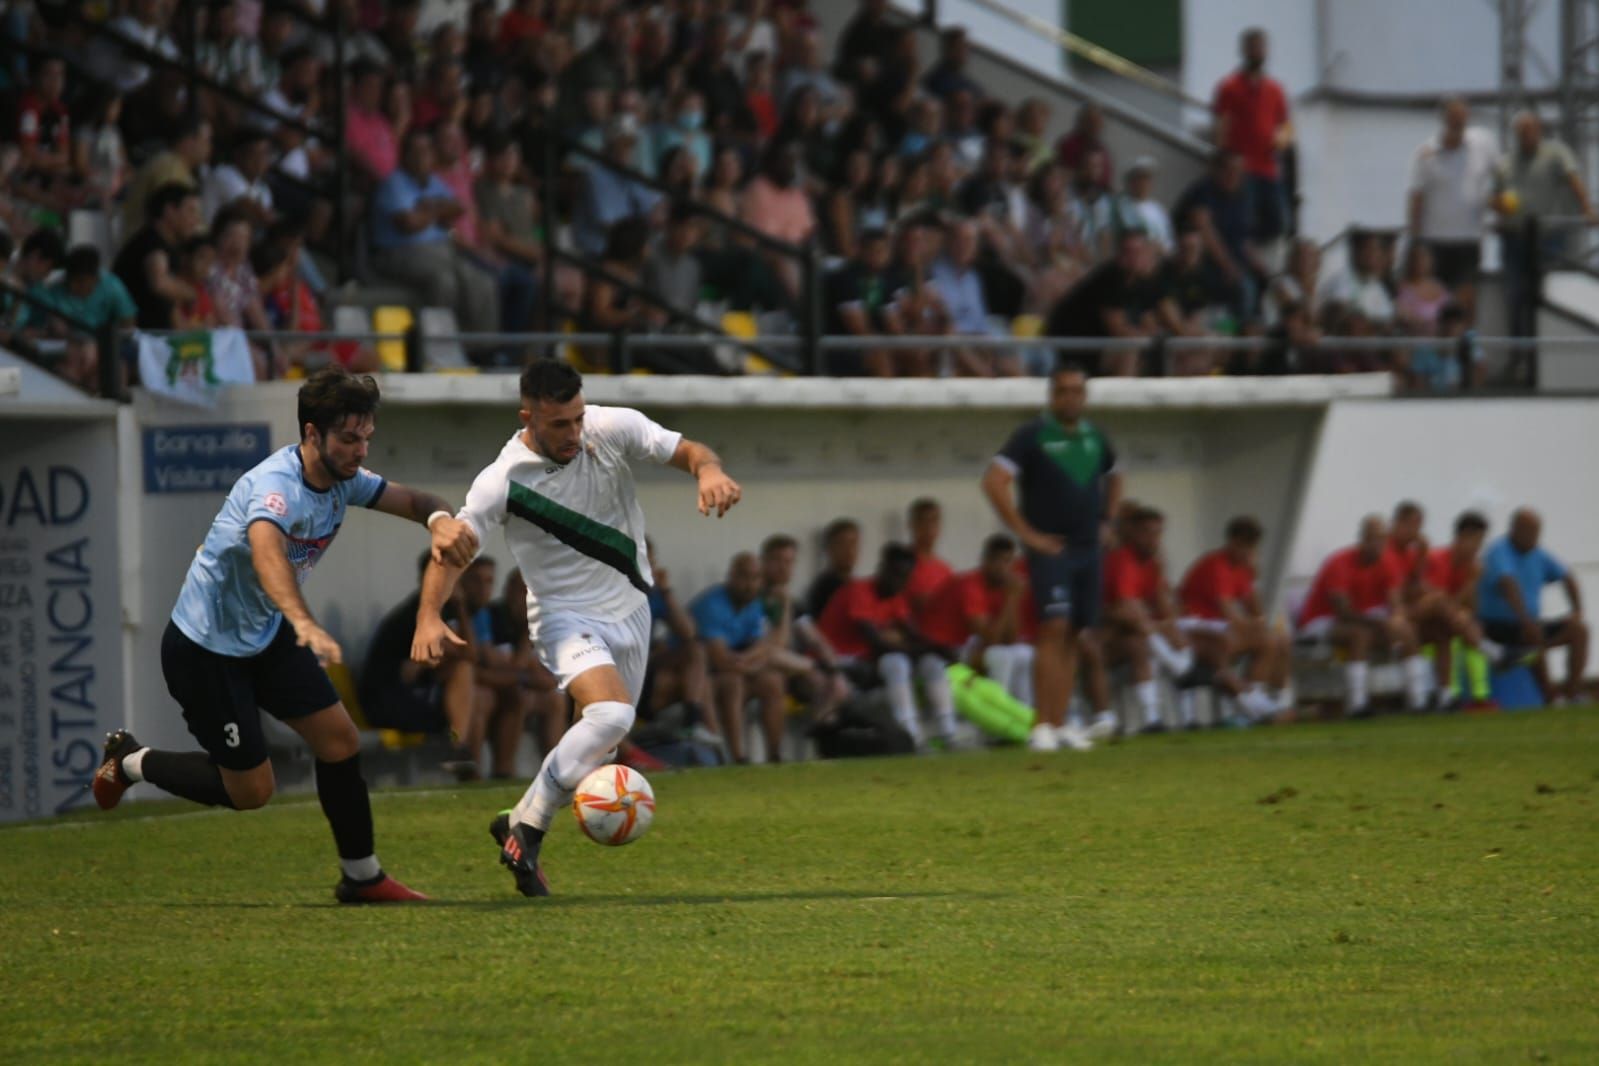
(1451, 455)
(1007, 37)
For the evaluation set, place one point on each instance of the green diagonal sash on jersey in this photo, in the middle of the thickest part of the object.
(1079, 454)
(595, 539)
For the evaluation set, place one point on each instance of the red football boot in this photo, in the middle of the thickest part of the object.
(384, 890)
(109, 781)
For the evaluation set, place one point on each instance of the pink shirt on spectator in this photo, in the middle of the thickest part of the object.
(247, 18)
(784, 214)
(370, 138)
(458, 178)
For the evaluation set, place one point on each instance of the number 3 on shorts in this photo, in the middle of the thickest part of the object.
(232, 731)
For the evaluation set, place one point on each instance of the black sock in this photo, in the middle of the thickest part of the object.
(342, 790)
(190, 775)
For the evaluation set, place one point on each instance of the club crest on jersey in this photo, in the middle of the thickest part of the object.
(275, 503)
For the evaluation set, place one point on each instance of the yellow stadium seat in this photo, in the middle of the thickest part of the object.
(391, 353)
(1027, 326)
(295, 372)
(743, 324)
(344, 685)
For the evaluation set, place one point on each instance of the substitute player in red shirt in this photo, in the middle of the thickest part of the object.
(980, 613)
(1355, 604)
(1140, 626)
(931, 572)
(1450, 576)
(1223, 617)
(870, 625)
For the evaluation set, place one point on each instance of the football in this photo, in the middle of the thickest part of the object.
(614, 805)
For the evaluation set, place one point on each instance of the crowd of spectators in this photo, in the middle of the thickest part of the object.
(857, 661)
(938, 209)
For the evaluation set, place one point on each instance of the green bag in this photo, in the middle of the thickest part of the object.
(988, 706)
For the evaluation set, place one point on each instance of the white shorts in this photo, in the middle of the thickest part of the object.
(1194, 624)
(569, 645)
(1320, 628)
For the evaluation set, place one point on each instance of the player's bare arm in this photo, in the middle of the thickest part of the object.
(269, 553)
(718, 492)
(434, 640)
(454, 541)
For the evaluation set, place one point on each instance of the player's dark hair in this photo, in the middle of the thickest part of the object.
(778, 542)
(998, 544)
(171, 194)
(893, 553)
(838, 526)
(1407, 509)
(1144, 513)
(1245, 529)
(552, 380)
(46, 244)
(333, 394)
(921, 506)
(1470, 522)
(83, 261)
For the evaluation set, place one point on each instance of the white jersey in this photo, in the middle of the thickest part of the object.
(575, 531)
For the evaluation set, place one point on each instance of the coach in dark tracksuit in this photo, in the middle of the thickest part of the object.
(1069, 488)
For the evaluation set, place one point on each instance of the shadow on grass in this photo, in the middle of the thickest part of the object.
(613, 900)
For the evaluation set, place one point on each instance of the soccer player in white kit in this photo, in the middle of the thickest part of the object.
(562, 488)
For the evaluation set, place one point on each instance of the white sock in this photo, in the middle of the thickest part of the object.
(1282, 699)
(366, 869)
(935, 684)
(583, 749)
(133, 765)
(1490, 649)
(1188, 706)
(1177, 663)
(896, 671)
(1418, 681)
(1256, 703)
(1021, 676)
(1149, 698)
(1355, 678)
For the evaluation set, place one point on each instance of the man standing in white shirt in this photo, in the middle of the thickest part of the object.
(562, 488)
(1451, 182)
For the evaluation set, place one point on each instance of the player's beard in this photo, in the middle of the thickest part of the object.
(330, 468)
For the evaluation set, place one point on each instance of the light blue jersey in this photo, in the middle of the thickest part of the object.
(223, 607)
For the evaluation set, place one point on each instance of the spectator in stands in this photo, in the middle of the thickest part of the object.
(1514, 573)
(683, 126)
(1117, 299)
(964, 131)
(864, 44)
(1298, 284)
(775, 204)
(1201, 302)
(508, 229)
(607, 195)
(1538, 179)
(227, 55)
(716, 79)
(1218, 205)
(979, 615)
(1222, 617)
(672, 270)
(1361, 287)
(1252, 122)
(678, 672)
(454, 168)
(232, 281)
(145, 26)
(1354, 604)
(806, 71)
(398, 37)
(1138, 209)
(411, 214)
(869, 623)
(44, 129)
(856, 203)
(482, 59)
(375, 120)
(1140, 621)
(1090, 209)
(99, 157)
(192, 265)
(960, 288)
(95, 299)
(841, 550)
(399, 694)
(241, 185)
(1451, 187)
(606, 64)
(1457, 363)
(920, 310)
(292, 103)
(1053, 241)
(733, 626)
(41, 255)
(760, 101)
(1032, 133)
(925, 520)
(522, 22)
(863, 298)
(948, 75)
(441, 99)
(1087, 136)
(145, 262)
(1421, 297)
(188, 151)
(751, 32)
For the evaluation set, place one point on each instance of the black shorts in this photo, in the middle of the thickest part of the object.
(1456, 262)
(222, 695)
(1502, 632)
(1067, 585)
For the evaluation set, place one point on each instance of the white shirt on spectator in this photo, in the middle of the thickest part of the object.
(1367, 295)
(1455, 185)
(1151, 217)
(225, 184)
(112, 62)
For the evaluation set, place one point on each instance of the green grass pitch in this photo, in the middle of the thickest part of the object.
(1404, 890)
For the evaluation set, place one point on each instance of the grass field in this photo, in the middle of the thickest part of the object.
(1396, 891)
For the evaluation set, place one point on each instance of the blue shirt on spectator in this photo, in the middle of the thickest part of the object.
(962, 293)
(718, 619)
(1531, 570)
(607, 198)
(399, 193)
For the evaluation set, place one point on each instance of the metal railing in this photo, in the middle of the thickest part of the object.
(107, 338)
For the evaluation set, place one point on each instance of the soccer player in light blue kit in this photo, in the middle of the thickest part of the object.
(241, 639)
